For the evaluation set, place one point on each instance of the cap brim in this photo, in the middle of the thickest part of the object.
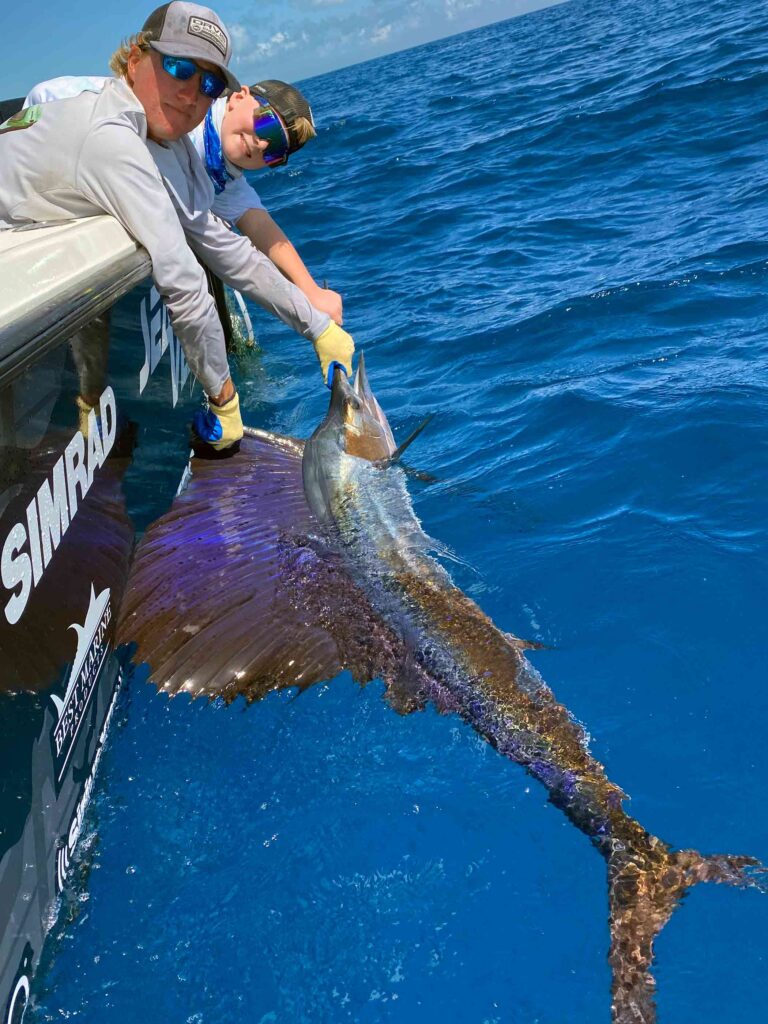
(191, 51)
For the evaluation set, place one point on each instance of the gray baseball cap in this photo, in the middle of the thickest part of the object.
(180, 29)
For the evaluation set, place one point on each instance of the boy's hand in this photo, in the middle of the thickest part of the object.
(330, 302)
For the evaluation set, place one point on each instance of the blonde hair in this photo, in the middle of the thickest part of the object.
(304, 130)
(118, 62)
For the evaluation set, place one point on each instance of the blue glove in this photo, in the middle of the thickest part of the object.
(221, 426)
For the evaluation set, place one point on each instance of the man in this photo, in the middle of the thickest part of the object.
(89, 155)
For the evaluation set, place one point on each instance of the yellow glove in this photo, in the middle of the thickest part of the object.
(334, 346)
(221, 426)
(83, 412)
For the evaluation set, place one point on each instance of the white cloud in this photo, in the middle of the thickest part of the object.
(380, 34)
(455, 8)
(247, 47)
(300, 38)
(240, 35)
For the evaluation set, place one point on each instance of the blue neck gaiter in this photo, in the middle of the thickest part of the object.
(214, 157)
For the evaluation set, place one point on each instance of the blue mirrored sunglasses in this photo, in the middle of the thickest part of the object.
(268, 126)
(183, 68)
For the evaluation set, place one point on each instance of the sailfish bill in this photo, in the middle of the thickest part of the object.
(293, 560)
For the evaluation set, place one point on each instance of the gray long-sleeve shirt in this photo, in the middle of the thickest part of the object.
(89, 155)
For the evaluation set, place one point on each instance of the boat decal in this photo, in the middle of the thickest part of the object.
(158, 337)
(68, 842)
(19, 997)
(30, 544)
(91, 653)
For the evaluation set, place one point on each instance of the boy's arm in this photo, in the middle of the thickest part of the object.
(268, 237)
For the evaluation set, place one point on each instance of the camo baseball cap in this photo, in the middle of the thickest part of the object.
(180, 29)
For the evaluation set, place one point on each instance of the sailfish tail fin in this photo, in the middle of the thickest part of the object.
(645, 888)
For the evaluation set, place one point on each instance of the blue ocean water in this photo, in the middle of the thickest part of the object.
(550, 233)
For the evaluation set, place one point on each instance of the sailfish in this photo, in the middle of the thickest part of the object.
(293, 560)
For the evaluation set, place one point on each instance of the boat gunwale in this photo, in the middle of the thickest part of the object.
(25, 341)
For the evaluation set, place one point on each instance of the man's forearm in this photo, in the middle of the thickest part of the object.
(227, 392)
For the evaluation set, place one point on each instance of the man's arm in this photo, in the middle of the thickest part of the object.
(64, 88)
(269, 238)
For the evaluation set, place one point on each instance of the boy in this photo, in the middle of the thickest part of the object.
(229, 142)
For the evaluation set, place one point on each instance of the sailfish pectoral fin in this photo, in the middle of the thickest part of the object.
(226, 593)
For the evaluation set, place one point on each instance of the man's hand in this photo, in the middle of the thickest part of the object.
(334, 346)
(221, 427)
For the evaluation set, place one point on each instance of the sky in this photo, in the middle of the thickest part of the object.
(289, 39)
